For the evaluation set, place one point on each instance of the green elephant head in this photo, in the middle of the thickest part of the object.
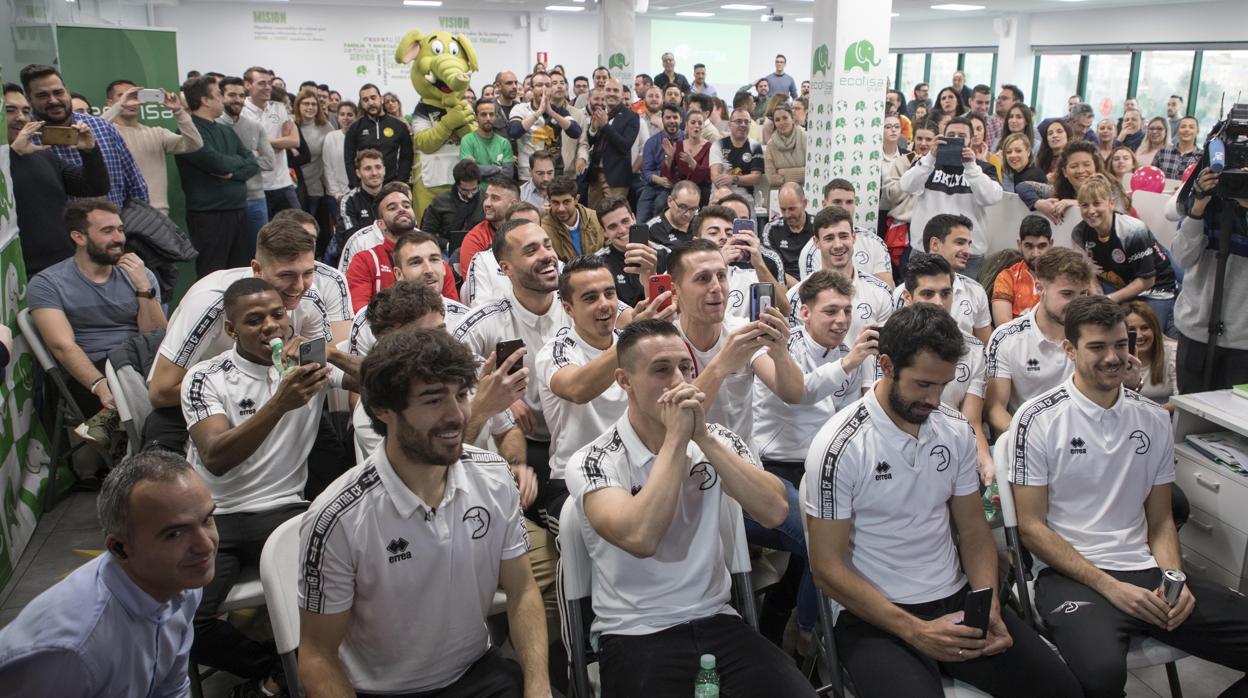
(860, 54)
(840, 122)
(840, 156)
(875, 155)
(872, 185)
(820, 62)
(617, 61)
(859, 140)
(870, 216)
(860, 106)
(361, 70)
(855, 170)
(876, 122)
(442, 65)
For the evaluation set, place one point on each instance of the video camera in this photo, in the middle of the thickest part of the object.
(1227, 151)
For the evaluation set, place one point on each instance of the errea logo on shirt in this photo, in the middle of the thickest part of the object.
(1033, 364)
(246, 406)
(1077, 446)
(882, 471)
(398, 550)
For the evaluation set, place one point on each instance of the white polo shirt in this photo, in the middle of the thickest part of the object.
(972, 375)
(686, 579)
(1020, 353)
(782, 431)
(271, 119)
(870, 255)
(970, 304)
(873, 304)
(506, 319)
(895, 489)
(197, 328)
(365, 238)
(735, 390)
(360, 340)
(418, 580)
(331, 285)
(1099, 466)
(572, 425)
(274, 475)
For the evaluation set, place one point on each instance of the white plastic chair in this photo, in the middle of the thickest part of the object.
(279, 576)
(1144, 651)
(247, 592)
(576, 580)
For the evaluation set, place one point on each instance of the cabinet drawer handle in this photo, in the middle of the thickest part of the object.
(1195, 566)
(1207, 484)
(1206, 527)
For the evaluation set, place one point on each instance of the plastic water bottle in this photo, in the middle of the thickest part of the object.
(707, 684)
(990, 493)
(277, 347)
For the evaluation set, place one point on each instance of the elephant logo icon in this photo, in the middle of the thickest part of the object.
(361, 70)
(820, 63)
(840, 122)
(870, 216)
(860, 54)
(875, 123)
(872, 185)
(840, 156)
(875, 155)
(860, 106)
(859, 140)
(617, 60)
(855, 170)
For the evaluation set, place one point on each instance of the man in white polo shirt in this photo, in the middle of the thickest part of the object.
(252, 425)
(1092, 464)
(833, 379)
(575, 372)
(330, 284)
(649, 491)
(870, 254)
(930, 279)
(748, 261)
(887, 480)
(1025, 355)
(949, 235)
(401, 556)
(272, 115)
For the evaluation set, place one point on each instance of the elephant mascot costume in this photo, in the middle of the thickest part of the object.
(442, 65)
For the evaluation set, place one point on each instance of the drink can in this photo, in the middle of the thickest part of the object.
(1172, 582)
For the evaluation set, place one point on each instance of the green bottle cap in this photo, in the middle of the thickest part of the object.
(708, 661)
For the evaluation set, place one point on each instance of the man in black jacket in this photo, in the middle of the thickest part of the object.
(378, 130)
(616, 129)
(43, 183)
(453, 213)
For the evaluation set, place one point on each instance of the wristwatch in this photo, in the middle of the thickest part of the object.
(149, 293)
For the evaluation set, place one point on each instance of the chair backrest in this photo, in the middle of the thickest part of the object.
(732, 533)
(279, 573)
(1001, 459)
(126, 387)
(576, 570)
(26, 324)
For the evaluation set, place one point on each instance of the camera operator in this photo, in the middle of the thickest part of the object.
(1195, 250)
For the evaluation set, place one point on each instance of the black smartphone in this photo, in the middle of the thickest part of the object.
(949, 153)
(504, 350)
(975, 609)
(762, 297)
(1131, 336)
(638, 234)
(312, 351)
(744, 225)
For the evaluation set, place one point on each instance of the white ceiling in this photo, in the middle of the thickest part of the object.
(908, 10)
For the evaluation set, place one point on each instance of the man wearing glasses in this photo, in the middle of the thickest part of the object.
(671, 228)
(738, 161)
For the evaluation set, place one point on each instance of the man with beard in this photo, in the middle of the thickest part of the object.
(359, 206)
(252, 426)
(471, 541)
(573, 229)
(90, 303)
(574, 155)
(540, 126)
(457, 210)
(506, 91)
(214, 180)
(1014, 291)
(253, 138)
(671, 228)
(788, 235)
(897, 571)
(377, 130)
(149, 145)
(1025, 355)
(50, 102)
(611, 132)
(490, 150)
(274, 117)
(372, 269)
(541, 174)
(658, 152)
(500, 193)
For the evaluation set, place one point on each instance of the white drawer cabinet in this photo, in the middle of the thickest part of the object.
(1215, 538)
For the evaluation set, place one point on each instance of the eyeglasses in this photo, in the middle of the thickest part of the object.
(685, 209)
(892, 127)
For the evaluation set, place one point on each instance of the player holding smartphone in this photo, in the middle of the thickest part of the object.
(629, 254)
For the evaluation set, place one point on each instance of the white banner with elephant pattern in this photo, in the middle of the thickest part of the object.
(617, 27)
(849, 78)
(24, 457)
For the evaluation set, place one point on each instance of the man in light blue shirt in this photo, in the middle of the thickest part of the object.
(780, 82)
(121, 625)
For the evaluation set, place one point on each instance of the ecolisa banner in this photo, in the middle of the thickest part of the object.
(617, 25)
(848, 81)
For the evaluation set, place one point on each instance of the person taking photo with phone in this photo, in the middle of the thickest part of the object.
(898, 571)
(150, 144)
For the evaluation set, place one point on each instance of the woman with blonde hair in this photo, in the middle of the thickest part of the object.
(1155, 351)
(769, 126)
(1018, 166)
(313, 127)
(784, 159)
(1156, 137)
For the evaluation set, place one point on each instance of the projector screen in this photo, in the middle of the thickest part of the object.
(724, 48)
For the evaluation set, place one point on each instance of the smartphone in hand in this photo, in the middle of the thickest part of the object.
(1131, 339)
(312, 351)
(59, 135)
(658, 284)
(976, 609)
(762, 297)
(744, 225)
(504, 350)
(151, 96)
(949, 153)
(638, 234)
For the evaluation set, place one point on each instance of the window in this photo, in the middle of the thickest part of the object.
(1221, 72)
(912, 74)
(892, 69)
(1108, 75)
(979, 69)
(1162, 73)
(1060, 80)
(944, 65)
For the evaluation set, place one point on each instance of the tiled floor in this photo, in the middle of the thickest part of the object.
(72, 525)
